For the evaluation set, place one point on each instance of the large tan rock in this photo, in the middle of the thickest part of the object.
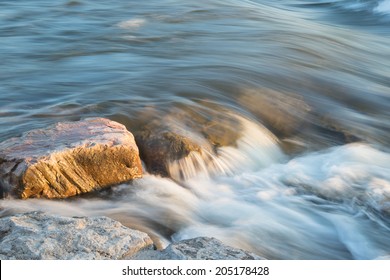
(68, 158)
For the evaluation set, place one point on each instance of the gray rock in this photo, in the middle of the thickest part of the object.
(68, 158)
(200, 248)
(36, 235)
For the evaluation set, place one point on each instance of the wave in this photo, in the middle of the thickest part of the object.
(355, 12)
(382, 7)
(370, 6)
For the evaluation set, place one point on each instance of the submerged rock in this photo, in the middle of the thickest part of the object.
(283, 113)
(200, 248)
(220, 126)
(68, 158)
(36, 235)
(299, 123)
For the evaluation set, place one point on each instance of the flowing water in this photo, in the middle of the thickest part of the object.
(304, 85)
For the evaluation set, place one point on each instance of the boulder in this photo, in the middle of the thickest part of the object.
(158, 148)
(200, 248)
(301, 124)
(284, 113)
(68, 158)
(184, 130)
(36, 235)
(219, 125)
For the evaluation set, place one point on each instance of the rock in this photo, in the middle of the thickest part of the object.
(200, 248)
(301, 124)
(220, 126)
(184, 130)
(283, 113)
(158, 148)
(68, 158)
(36, 235)
(206, 248)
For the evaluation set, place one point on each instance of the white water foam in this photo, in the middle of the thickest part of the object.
(383, 7)
(327, 205)
(356, 173)
(132, 24)
(323, 201)
(256, 149)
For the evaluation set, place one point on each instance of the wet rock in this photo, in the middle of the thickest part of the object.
(68, 158)
(283, 113)
(158, 148)
(206, 248)
(304, 124)
(200, 248)
(215, 123)
(185, 130)
(36, 235)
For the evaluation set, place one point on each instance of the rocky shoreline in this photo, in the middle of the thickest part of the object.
(37, 236)
(72, 158)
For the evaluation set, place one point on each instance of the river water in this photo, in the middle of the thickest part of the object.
(304, 85)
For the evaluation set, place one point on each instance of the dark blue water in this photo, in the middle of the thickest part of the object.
(306, 85)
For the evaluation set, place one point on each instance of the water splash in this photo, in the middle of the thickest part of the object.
(356, 173)
(332, 204)
(257, 148)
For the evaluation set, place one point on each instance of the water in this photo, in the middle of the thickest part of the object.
(305, 85)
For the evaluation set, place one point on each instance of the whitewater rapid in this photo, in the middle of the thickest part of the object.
(303, 84)
(330, 204)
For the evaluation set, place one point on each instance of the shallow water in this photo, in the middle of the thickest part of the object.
(306, 83)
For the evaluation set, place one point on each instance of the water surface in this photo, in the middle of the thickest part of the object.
(305, 84)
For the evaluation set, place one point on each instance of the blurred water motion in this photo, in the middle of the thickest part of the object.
(299, 91)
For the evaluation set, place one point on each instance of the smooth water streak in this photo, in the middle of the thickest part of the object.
(304, 84)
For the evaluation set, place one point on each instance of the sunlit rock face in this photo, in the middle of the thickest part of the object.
(36, 235)
(68, 159)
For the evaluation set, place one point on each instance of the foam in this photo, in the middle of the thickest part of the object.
(257, 148)
(323, 205)
(383, 7)
(134, 23)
